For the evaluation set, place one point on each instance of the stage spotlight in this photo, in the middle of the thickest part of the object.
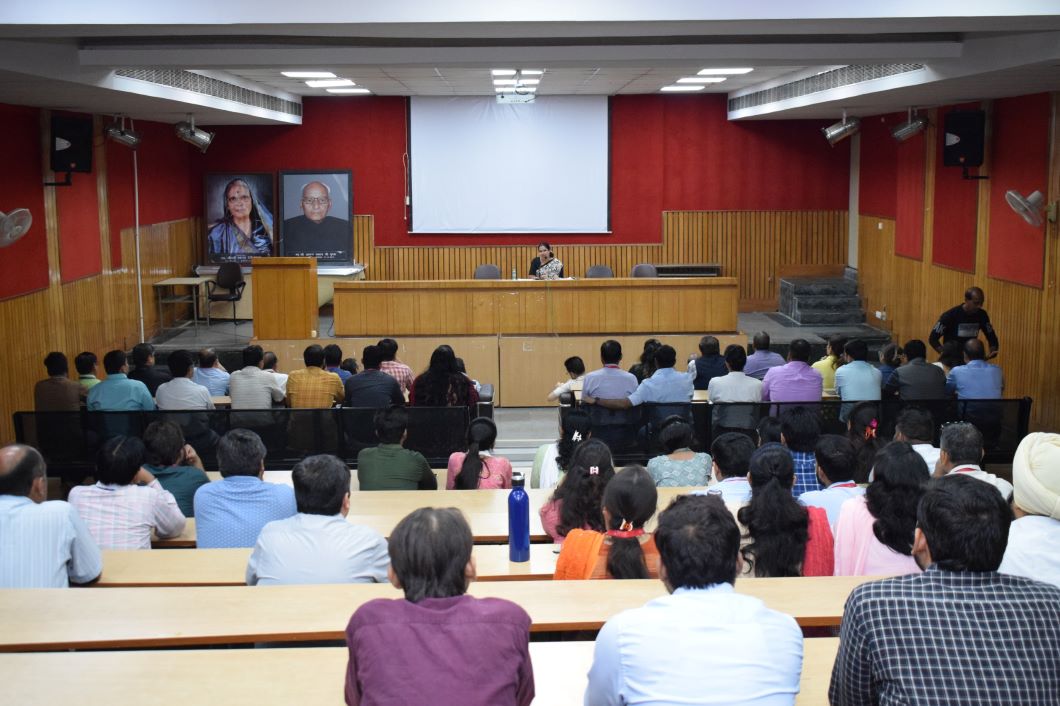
(118, 132)
(910, 127)
(193, 135)
(837, 132)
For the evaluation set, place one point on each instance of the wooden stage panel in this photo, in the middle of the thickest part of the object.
(469, 307)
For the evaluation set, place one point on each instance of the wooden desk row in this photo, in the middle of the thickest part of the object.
(129, 618)
(311, 676)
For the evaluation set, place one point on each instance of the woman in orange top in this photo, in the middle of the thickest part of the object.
(625, 550)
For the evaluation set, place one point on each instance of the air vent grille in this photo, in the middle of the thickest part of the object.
(197, 83)
(836, 78)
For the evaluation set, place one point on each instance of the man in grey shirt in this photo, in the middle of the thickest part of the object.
(917, 379)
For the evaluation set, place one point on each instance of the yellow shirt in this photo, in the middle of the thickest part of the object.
(826, 367)
(314, 388)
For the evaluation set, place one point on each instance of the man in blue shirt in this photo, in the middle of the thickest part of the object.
(211, 374)
(232, 511)
(665, 385)
(118, 393)
(609, 381)
(719, 657)
(858, 380)
(976, 379)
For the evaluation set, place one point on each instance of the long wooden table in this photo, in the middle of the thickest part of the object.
(227, 567)
(129, 618)
(584, 306)
(311, 676)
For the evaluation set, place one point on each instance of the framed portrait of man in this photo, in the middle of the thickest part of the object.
(239, 210)
(317, 209)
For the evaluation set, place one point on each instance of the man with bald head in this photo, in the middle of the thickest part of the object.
(43, 544)
(315, 233)
(976, 379)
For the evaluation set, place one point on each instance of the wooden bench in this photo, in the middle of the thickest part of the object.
(128, 618)
(311, 676)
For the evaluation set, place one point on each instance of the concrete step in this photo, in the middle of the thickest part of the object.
(829, 318)
(819, 285)
(827, 302)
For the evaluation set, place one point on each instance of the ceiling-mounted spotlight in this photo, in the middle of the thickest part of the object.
(910, 127)
(122, 135)
(840, 131)
(1030, 208)
(193, 135)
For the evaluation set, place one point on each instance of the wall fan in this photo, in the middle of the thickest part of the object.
(14, 225)
(1031, 207)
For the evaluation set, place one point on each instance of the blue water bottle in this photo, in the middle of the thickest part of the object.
(518, 520)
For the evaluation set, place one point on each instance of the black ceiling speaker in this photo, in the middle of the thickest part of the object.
(71, 147)
(964, 132)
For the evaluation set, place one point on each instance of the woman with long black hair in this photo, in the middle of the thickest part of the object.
(477, 467)
(442, 384)
(577, 501)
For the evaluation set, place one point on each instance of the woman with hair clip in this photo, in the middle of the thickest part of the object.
(827, 365)
(890, 359)
(476, 468)
(625, 550)
(862, 425)
(442, 384)
(780, 536)
(576, 502)
(552, 460)
(680, 466)
(874, 535)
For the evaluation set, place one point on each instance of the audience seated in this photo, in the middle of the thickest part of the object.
(762, 359)
(666, 384)
(836, 464)
(333, 362)
(575, 368)
(318, 545)
(577, 500)
(782, 538)
(442, 385)
(862, 425)
(438, 645)
(394, 367)
(551, 460)
(251, 387)
(974, 636)
(269, 364)
(372, 387)
(127, 502)
(951, 356)
(734, 387)
(232, 511)
(795, 381)
(769, 431)
(175, 464)
(917, 379)
(211, 374)
(832, 361)
(462, 369)
(1034, 537)
(118, 393)
(477, 468)
(45, 544)
(961, 451)
(731, 459)
(312, 387)
(87, 366)
(609, 382)
(625, 550)
(874, 534)
(890, 359)
(681, 466)
(857, 380)
(180, 392)
(800, 429)
(145, 370)
(644, 368)
(704, 643)
(349, 365)
(390, 466)
(57, 392)
(708, 365)
(917, 428)
(976, 379)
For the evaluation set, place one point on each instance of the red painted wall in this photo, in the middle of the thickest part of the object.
(878, 165)
(24, 265)
(955, 205)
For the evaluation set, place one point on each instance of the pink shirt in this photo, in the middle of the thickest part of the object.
(399, 371)
(858, 552)
(496, 474)
(122, 516)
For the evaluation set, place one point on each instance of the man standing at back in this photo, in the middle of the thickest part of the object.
(118, 393)
(796, 381)
(960, 633)
(965, 322)
(704, 643)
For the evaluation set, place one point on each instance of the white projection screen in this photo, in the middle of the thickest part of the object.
(478, 166)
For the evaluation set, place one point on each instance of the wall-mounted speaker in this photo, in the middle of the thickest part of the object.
(964, 131)
(71, 147)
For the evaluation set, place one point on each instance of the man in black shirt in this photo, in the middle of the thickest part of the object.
(964, 322)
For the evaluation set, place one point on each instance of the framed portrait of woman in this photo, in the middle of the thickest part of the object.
(317, 208)
(239, 220)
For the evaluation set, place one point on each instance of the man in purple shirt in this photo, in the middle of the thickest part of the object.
(759, 362)
(437, 645)
(794, 382)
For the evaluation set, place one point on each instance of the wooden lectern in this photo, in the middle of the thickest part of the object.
(285, 297)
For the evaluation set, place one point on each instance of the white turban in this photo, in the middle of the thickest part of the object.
(1036, 474)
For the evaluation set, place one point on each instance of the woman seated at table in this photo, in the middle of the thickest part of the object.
(874, 534)
(780, 536)
(437, 645)
(681, 465)
(576, 502)
(476, 468)
(442, 384)
(552, 460)
(546, 265)
(862, 425)
(625, 550)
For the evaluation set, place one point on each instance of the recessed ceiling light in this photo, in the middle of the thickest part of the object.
(701, 79)
(357, 91)
(731, 72)
(530, 81)
(330, 83)
(681, 89)
(308, 74)
(502, 72)
(532, 72)
(504, 89)
(504, 81)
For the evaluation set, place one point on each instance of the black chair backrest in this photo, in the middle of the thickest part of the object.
(487, 272)
(644, 269)
(599, 271)
(229, 275)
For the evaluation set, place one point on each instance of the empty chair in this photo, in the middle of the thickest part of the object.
(229, 278)
(644, 269)
(599, 271)
(487, 272)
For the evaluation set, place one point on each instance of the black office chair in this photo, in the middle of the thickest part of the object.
(644, 270)
(229, 278)
(487, 272)
(599, 271)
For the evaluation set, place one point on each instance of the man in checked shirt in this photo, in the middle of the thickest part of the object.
(960, 632)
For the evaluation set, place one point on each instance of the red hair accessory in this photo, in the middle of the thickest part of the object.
(625, 531)
(870, 430)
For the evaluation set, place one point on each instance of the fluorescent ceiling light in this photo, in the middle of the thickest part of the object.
(532, 72)
(356, 91)
(729, 72)
(330, 83)
(502, 72)
(504, 89)
(529, 81)
(701, 79)
(681, 89)
(505, 81)
(308, 74)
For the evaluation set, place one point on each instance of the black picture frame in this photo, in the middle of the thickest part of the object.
(225, 241)
(307, 229)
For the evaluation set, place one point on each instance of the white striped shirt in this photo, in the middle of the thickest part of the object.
(44, 545)
(122, 516)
